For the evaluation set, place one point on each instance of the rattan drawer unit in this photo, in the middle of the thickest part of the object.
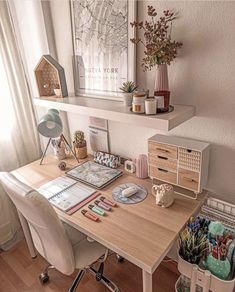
(180, 161)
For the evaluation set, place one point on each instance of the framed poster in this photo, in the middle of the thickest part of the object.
(104, 57)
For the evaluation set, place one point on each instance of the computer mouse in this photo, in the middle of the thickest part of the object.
(130, 191)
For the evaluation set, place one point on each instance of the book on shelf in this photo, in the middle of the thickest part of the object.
(66, 193)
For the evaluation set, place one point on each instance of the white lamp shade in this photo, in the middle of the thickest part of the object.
(51, 125)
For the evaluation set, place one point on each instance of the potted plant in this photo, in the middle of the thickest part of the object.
(79, 144)
(159, 48)
(127, 89)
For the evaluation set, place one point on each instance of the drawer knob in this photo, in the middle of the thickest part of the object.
(163, 150)
(162, 157)
(189, 179)
(163, 170)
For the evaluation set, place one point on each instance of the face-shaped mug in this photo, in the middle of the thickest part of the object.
(164, 195)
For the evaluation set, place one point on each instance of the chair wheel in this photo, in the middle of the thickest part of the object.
(98, 276)
(119, 258)
(44, 278)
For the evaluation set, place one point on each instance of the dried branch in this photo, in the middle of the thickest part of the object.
(159, 47)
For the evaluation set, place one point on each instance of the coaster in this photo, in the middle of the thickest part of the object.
(136, 198)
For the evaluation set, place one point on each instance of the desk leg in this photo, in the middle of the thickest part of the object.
(147, 282)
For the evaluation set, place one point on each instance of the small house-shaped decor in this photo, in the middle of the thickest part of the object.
(50, 78)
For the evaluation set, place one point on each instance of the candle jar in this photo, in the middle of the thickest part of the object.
(150, 106)
(138, 104)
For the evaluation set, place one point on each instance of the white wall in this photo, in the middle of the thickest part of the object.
(203, 75)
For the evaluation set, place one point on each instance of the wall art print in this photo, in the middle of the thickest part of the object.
(104, 57)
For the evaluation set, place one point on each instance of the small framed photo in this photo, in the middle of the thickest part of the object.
(129, 166)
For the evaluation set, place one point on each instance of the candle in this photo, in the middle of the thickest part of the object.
(150, 106)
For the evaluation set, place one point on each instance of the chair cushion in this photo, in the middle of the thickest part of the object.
(86, 253)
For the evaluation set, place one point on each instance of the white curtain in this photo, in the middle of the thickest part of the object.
(19, 143)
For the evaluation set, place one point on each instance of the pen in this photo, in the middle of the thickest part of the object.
(90, 215)
(97, 210)
(102, 205)
(108, 202)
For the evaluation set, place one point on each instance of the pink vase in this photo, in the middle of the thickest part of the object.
(161, 88)
(161, 82)
(141, 164)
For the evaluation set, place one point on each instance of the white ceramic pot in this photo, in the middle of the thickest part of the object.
(60, 152)
(57, 92)
(127, 98)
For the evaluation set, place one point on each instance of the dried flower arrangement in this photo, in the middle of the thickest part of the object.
(159, 47)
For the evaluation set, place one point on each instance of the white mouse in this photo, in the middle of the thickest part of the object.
(130, 191)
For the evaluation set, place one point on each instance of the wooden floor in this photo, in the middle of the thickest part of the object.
(18, 272)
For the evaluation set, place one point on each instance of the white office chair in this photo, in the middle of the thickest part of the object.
(51, 239)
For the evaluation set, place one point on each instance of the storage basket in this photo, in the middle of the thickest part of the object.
(204, 278)
(183, 285)
(224, 212)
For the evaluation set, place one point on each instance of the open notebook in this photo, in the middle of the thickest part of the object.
(65, 193)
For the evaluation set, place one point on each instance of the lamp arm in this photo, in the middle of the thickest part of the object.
(67, 143)
(44, 153)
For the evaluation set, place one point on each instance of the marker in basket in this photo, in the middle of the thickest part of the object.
(89, 215)
(97, 210)
(102, 205)
(108, 202)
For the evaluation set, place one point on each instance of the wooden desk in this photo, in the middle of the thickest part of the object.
(142, 233)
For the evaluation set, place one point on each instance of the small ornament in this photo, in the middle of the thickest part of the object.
(164, 195)
(62, 165)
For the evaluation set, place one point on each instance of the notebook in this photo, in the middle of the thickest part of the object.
(65, 193)
(94, 174)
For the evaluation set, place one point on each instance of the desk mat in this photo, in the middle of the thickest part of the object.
(136, 198)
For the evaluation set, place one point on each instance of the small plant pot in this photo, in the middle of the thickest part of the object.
(127, 98)
(80, 152)
(57, 92)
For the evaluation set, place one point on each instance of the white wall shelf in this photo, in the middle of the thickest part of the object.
(116, 111)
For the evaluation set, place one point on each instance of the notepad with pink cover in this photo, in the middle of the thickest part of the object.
(67, 194)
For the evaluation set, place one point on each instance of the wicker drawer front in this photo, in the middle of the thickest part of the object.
(189, 159)
(163, 174)
(188, 179)
(163, 150)
(163, 162)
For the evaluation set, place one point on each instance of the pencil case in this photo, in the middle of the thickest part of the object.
(107, 159)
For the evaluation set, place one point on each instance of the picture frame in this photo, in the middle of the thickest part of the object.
(103, 55)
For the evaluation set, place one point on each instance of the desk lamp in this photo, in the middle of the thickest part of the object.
(51, 126)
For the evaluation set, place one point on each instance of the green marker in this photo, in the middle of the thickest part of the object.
(97, 210)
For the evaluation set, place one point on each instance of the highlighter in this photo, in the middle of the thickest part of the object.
(102, 205)
(90, 215)
(108, 202)
(96, 210)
